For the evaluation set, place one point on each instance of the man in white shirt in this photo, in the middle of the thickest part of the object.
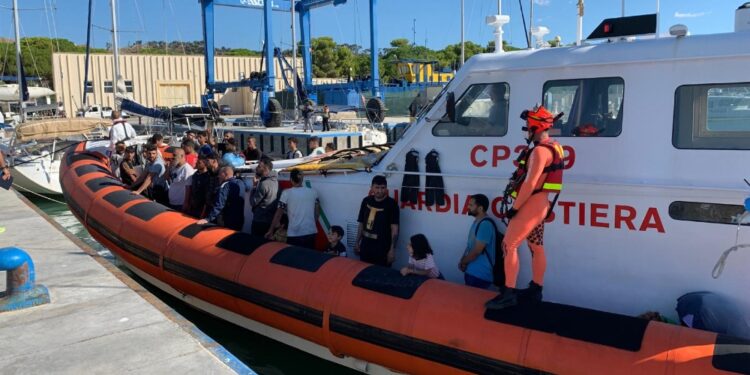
(302, 207)
(121, 130)
(179, 177)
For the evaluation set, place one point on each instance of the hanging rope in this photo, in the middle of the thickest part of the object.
(50, 28)
(33, 60)
(719, 267)
(43, 156)
(177, 26)
(5, 57)
(39, 195)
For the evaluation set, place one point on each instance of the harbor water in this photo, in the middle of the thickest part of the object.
(263, 355)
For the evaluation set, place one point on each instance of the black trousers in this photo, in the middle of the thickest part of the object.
(259, 228)
(307, 241)
(374, 252)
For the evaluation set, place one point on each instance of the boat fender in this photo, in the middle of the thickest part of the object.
(434, 186)
(712, 312)
(410, 183)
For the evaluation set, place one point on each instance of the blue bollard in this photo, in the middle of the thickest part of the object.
(21, 291)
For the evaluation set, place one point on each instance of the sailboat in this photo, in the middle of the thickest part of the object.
(10, 92)
(34, 148)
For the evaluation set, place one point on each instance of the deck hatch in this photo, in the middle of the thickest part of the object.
(100, 183)
(146, 210)
(192, 230)
(388, 281)
(241, 243)
(90, 168)
(301, 258)
(731, 354)
(598, 327)
(121, 197)
(73, 157)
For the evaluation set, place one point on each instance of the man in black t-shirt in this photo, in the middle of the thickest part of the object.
(378, 225)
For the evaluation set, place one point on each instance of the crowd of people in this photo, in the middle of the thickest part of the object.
(200, 180)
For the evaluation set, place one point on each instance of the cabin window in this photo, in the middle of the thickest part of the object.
(592, 107)
(704, 212)
(713, 116)
(481, 111)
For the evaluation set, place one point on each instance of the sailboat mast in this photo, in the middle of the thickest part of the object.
(294, 63)
(531, 23)
(88, 56)
(19, 68)
(116, 54)
(463, 51)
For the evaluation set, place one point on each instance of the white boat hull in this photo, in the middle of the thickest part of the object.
(40, 176)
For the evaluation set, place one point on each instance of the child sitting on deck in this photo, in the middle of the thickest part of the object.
(421, 261)
(335, 247)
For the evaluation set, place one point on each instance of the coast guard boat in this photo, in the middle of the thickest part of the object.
(652, 198)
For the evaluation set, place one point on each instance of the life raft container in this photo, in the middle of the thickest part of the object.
(408, 324)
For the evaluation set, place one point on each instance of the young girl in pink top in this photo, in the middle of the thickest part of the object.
(421, 261)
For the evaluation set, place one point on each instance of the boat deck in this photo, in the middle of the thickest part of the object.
(99, 320)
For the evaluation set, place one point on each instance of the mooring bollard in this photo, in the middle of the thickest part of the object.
(21, 289)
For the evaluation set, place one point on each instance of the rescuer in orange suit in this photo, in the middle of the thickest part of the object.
(540, 174)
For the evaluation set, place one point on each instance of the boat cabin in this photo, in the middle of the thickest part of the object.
(656, 134)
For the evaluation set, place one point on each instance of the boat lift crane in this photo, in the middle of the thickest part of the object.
(265, 84)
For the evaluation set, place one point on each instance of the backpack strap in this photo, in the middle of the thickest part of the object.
(476, 231)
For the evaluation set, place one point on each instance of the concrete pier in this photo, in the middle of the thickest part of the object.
(99, 320)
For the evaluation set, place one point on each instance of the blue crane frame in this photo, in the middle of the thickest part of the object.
(266, 84)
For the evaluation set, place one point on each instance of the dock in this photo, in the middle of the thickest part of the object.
(99, 319)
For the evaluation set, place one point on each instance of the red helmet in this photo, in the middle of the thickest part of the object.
(538, 119)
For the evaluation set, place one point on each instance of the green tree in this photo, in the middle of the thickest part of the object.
(324, 57)
(506, 47)
(36, 53)
(344, 61)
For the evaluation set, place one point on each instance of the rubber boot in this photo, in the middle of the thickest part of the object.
(504, 300)
(531, 294)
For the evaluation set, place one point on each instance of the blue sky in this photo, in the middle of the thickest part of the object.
(437, 21)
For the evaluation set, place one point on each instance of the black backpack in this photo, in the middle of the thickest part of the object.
(498, 268)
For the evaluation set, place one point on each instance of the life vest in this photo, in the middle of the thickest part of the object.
(554, 171)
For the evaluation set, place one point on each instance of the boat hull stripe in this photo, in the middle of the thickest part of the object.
(137, 251)
(245, 293)
(453, 357)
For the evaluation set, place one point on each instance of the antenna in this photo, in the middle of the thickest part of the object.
(414, 32)
(497, 22)
(579, 33)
